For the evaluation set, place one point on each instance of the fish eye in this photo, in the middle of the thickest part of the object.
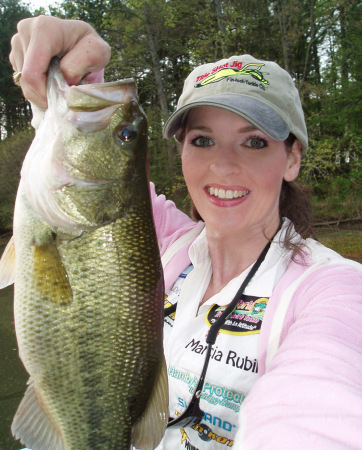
(126, 133)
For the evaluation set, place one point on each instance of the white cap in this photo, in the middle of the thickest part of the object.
(259, 91)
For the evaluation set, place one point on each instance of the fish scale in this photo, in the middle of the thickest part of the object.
(89, 292)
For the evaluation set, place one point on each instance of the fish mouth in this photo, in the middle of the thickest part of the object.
(226, 194)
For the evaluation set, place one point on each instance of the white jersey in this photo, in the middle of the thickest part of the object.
(233, 364)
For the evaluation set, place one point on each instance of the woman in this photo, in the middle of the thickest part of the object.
(284, 369)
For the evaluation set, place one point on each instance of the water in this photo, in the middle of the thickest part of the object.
(13, 377)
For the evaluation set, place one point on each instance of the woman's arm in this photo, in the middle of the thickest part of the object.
(170, 222)
(311, 396)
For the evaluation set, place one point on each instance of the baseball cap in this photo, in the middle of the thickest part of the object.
(259, 91)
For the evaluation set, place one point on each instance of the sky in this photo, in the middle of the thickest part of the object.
(35, 4)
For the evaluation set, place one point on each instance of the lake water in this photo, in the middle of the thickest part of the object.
(13, 376)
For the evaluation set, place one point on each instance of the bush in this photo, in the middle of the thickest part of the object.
(338, 197)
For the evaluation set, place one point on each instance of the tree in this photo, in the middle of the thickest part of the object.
(14, 110)
(158, 44)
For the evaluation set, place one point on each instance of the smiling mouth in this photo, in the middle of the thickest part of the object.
(226, 193)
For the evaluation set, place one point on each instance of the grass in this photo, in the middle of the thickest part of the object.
(346, 241)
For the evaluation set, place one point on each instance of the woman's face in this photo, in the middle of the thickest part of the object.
(234, 172)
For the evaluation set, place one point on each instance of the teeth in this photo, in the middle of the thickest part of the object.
(228, 194)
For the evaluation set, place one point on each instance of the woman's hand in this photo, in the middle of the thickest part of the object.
(84, 53)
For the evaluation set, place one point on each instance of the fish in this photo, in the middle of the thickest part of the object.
(88, 282)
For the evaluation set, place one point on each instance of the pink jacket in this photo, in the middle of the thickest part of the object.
(310, 395)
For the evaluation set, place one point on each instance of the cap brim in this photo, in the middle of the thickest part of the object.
(256, 112)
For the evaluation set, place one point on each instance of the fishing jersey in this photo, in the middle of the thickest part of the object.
(233, 365)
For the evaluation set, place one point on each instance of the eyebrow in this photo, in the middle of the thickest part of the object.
(208, 129)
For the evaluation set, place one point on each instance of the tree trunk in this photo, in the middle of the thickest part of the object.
(284, 24)
(344, 57)
(311, 48)
(221, 27)
(156, 67)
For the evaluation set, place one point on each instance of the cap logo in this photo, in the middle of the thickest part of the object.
(220, 73)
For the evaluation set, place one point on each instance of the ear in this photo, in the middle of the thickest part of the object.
(294, 161)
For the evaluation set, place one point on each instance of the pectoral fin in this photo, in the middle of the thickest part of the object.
(50, 275)
(7, 265)
(32, 425)
(149, 430)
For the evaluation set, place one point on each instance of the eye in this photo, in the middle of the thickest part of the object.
(202, 141)
(256, 142)
(126, 133)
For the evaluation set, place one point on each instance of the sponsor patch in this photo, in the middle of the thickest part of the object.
(245, 319)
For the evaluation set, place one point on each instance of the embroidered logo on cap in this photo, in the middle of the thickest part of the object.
(221, 72)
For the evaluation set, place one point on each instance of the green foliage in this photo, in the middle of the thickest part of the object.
(14, 110)
(158, 42)
(91, 11)
(331, 156)
(333, 168)
(338, 198)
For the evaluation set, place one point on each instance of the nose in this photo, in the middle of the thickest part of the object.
(225, 162)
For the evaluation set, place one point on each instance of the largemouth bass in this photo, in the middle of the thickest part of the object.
(88, 277)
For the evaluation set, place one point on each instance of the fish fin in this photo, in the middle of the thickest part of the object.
(32, 425)
(148, 431)
(7, 265)
(50, 275)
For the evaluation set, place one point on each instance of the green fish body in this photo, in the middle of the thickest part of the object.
(88, 277)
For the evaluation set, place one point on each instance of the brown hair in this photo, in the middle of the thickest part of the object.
(295, 204)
